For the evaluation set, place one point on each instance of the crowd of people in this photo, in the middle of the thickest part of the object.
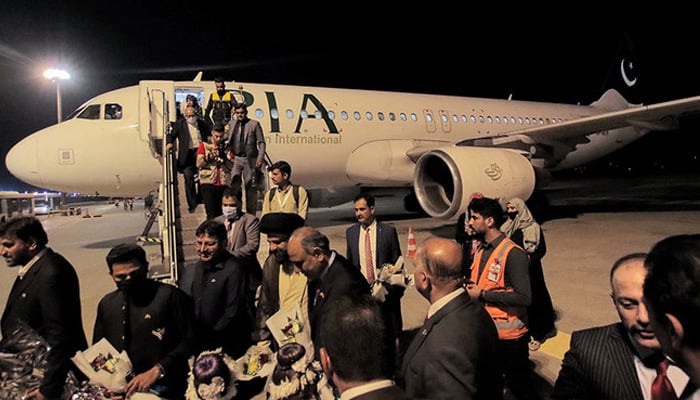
(489, 305)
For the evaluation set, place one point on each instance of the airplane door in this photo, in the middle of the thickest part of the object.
(429, 120)
(445, 121)
(156, 106)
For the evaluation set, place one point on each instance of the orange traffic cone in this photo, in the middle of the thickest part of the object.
(411, 248)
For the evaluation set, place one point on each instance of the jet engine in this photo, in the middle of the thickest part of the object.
(445, 177)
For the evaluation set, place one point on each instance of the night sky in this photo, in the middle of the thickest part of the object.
(107, 45)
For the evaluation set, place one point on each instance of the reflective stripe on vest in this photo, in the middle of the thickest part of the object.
(509, 321)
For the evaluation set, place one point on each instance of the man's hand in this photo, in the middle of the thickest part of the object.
(473, 290)
(34, 394)
(143, 381)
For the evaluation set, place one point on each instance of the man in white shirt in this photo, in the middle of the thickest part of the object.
(617, 361)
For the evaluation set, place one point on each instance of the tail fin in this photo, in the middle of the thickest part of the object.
(625, 74)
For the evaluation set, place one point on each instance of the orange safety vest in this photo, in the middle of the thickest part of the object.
(510, 321)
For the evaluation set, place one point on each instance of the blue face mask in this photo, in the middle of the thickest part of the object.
(229, 211)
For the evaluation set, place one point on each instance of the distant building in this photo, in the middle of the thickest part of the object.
(16, 203)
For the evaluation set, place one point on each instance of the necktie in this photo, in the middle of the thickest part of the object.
(369, 261)
(661, 388)
(241, 139)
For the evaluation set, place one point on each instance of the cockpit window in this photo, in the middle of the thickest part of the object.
(76, 112)
(90, 112)
(113, 111)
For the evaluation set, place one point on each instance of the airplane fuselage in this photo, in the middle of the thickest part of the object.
(333, 138)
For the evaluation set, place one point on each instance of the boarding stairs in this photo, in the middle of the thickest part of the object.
(176, 226)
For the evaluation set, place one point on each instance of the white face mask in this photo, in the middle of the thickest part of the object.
(229, 211)
(191, 120)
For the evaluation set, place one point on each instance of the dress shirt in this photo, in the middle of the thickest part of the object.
(367, 387)
(435, 307)
(25, 268)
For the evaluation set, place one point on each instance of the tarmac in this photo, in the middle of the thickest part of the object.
(587, 226)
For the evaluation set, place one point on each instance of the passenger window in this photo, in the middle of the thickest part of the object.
(90, 112)
(113, 111)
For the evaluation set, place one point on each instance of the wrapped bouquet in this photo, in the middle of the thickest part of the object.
(289, 326)
(104, 365)
(22, 362)
(390, 275)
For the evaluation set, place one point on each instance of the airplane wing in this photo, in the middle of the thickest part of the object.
(659, 116)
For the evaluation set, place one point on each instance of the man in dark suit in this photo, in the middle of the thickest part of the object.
(370, 245)
(330, 274)
(672, 295)
(217, 283)
(615, 361)
(354, 361)
(188, 131)
(152, 321)
(248, 143)
(45, 296)
(455, 353)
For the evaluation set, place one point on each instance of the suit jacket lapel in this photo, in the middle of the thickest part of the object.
(355, 242)
(621, 355)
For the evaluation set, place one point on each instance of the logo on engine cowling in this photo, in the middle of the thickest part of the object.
(494, 172)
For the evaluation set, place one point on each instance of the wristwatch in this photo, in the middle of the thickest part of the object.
(162, 371)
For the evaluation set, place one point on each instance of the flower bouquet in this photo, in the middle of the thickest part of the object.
(22, 362)
(289, 326)
(390, 275)
(257, 362)
(104, 365)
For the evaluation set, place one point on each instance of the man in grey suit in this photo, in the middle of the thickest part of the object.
(455, 354)
(243, 229)
(370, 244)
(354, 362)
(248, 143)
(616, 361)
(45, 296)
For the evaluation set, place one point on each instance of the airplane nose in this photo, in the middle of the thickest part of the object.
(22, 163)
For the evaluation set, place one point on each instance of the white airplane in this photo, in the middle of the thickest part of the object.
(341, 141)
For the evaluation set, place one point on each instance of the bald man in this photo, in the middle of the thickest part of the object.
(616, 361)
(452, 356)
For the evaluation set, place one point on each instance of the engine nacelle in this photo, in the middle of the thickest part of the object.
(445, 177)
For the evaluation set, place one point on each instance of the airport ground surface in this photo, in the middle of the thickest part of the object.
(587, 224)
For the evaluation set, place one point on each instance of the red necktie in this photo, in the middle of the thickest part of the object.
(661, 388)
(369, 262)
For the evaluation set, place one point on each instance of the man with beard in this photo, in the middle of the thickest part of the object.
(189, 132)
(615, 361)
(499, 279)
(283, 284)
(219, 105)
(152, 321)
(45, 296)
